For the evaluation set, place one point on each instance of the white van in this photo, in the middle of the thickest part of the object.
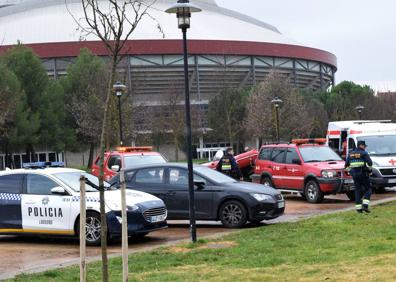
(380, 137)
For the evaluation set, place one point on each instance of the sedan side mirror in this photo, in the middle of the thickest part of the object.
(59, 191)
(115, 168)
(296, 161)
(200, 184)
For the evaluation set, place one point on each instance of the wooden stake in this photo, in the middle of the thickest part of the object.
(83, 215)
(125, 269)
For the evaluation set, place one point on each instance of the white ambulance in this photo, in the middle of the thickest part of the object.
(380, 137)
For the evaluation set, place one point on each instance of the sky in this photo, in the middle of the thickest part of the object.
(361, 33)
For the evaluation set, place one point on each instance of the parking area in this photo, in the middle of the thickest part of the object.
(25, 254)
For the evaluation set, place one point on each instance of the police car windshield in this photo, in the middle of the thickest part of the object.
(72, 179)
(318, 154)
(143, 159)
(214, 175)
(380, 145)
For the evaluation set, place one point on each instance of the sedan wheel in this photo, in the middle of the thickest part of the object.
(233, 214)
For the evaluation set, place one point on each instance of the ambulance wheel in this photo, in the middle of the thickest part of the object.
(266, 180)
(93, 229)
(351, 195)
(312, 192)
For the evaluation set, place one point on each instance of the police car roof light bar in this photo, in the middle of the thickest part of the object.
(43, 164)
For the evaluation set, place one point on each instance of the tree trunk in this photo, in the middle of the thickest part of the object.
(176, 149)
(91, 154)
(105, 267)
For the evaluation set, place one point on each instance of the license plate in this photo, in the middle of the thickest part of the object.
(158, 218)
(392, 180)
(348, 181)
(281, 205)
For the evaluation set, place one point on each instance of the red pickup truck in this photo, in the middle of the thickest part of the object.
(306, 166)
(126, 157)
(245, 161)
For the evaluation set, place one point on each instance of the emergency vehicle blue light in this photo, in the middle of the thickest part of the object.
(43, 164)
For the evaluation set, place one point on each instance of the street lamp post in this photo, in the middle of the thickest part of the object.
(277, 103)
(183, 10)
(360, 109)
(119, 89)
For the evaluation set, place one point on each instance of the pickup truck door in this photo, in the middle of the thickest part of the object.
(294, 172)
(277, 166)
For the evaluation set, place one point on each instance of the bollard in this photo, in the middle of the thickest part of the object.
(124, 227)
(83, 214)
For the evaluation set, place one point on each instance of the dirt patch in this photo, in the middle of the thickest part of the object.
(206, 246)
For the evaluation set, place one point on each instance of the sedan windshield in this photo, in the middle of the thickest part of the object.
(72, 179)
(382, 145)
(213, 175)
(318, 154)
(131, 161)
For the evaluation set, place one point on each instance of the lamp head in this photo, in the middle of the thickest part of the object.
(359, 108)
(119, 88)
(183, 10)
(276, 102)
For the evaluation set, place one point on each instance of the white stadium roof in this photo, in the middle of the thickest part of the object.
(43, 21)
(224, 46)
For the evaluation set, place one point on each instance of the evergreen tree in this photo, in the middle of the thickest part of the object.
(85, 89)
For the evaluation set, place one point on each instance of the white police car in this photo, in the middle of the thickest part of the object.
(45, 200)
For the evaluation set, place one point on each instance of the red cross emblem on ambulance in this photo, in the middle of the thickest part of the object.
(392, 162)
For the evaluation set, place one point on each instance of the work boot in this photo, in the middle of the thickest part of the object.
(359, 211)
(366, 209)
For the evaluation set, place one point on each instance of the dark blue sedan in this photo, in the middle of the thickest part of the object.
(217, 196)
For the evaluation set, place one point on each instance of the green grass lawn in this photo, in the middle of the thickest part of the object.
(338, 247)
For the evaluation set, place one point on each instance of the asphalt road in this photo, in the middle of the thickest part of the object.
(32, 254)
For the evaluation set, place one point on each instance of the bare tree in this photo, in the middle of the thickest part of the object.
(113, 22)
(295, 121)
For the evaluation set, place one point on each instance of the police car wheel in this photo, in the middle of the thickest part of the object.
(233, 214)
(92, 229)
(312, 192)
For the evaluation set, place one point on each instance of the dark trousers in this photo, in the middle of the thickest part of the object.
(362, 188)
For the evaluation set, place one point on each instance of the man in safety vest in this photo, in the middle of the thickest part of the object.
(359, 163)
(228, 165)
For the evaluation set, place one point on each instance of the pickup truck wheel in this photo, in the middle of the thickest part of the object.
(233, 214)
(266, 180)
(351, 195)
(312, 192)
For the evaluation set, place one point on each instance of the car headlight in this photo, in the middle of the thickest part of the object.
(329, 173)
(132, 208)
(261, 197)
(376, 164)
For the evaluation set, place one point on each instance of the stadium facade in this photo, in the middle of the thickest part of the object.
(226, 49)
